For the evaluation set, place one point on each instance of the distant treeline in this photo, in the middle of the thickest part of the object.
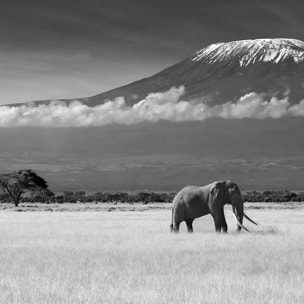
(273, 196)
(124, 197)
(102, 197)
(145, 197)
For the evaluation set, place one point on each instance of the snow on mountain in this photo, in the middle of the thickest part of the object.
(252, 51)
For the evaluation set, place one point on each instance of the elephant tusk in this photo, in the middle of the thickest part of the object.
(249, 219)
(240, 223)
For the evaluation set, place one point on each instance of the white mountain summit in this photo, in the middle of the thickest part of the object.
(252, 51)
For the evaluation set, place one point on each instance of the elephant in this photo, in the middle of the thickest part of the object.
(193, 201)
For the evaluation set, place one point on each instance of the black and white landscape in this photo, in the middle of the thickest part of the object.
(151, 151)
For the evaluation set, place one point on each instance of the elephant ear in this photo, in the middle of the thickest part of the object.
(215, 190)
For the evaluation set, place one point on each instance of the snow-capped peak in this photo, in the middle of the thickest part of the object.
(252, 51)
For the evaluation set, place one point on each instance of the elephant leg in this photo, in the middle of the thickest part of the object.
(217, 220)
(189, 225)
(224, 223)
(176, 227)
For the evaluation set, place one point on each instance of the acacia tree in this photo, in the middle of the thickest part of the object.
(16, 183)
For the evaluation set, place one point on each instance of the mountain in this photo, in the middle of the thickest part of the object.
(258, 152)
(224, 72)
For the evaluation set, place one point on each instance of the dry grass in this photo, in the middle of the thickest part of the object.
(130, 257)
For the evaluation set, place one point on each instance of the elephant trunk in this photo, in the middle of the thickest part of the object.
(236, 200)
(238, 212)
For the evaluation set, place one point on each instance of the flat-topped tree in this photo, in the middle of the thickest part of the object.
(17, 183)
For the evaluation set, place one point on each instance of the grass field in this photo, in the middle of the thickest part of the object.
(130, 257)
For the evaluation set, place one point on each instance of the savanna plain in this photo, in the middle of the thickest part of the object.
(131, 257)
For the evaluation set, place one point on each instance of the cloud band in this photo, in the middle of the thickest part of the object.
(167, 106)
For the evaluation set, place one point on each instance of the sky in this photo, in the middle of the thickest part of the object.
(56, 49)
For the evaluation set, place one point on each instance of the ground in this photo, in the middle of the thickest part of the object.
(130, 257)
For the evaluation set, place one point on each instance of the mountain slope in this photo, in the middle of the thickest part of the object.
(258, 154)
(226, 71)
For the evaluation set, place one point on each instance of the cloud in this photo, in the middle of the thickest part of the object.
(167, 106)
